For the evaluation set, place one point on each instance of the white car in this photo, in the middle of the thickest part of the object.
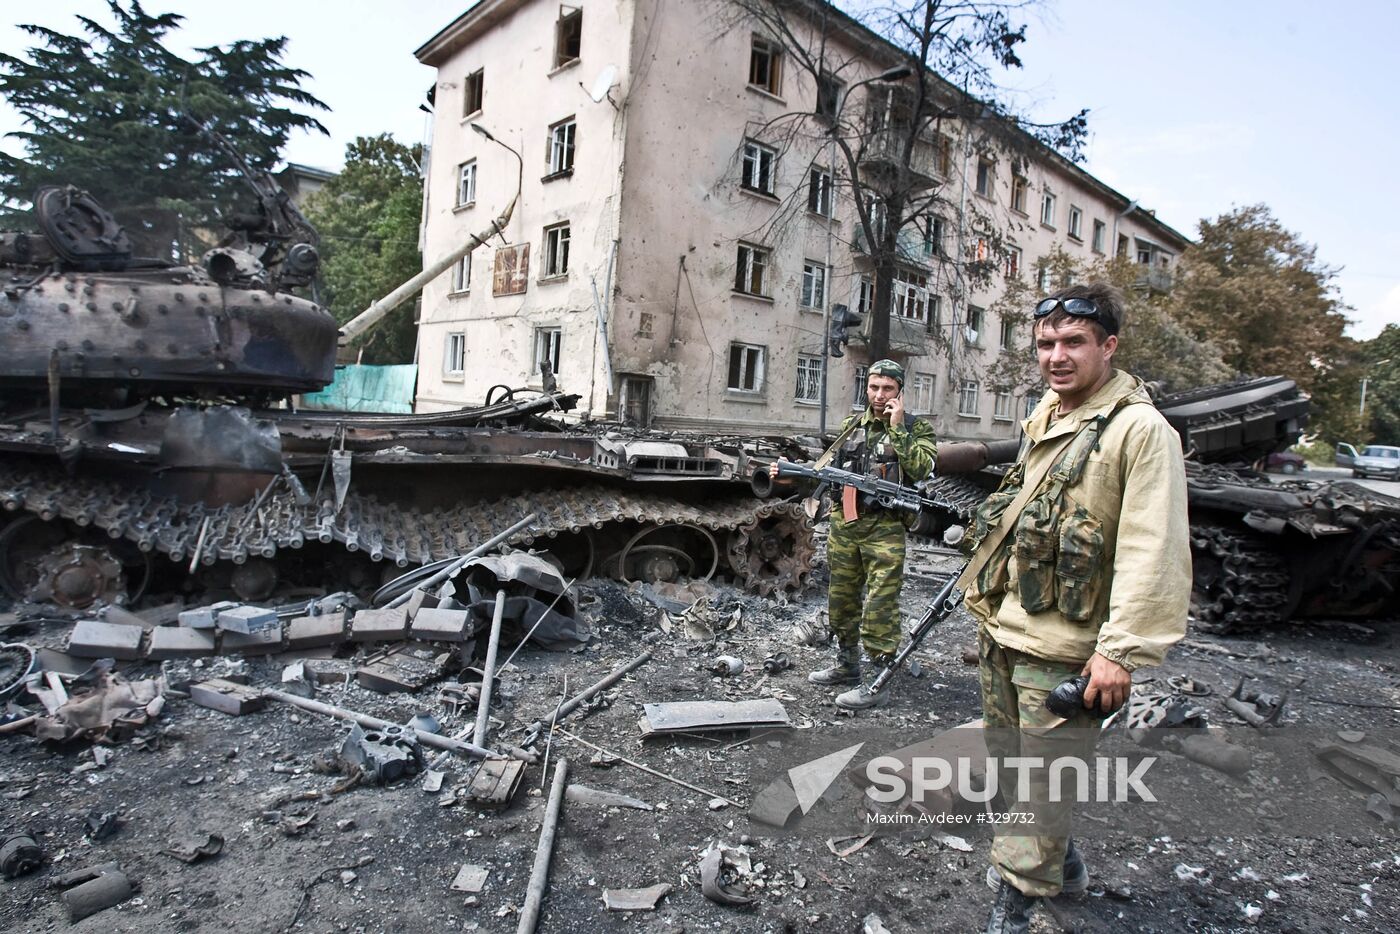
(1379, 460)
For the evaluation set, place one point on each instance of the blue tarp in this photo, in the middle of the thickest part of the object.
(367, 389)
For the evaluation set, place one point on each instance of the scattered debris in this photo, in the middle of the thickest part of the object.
(387, 754)
(635, 899)
(705, 716)
(470, 878)
(432, 781)
(495, 781)
(727, 666)
(99, 826)
(722, 867)
(777, 662)
(650, 771)
(1255, 707)
(855, 847)
(582, 697)
(539, 873)
(582, 794)
(19, 855)
(212, 846)
(94, 889)
(227, 697)
(103, 707)
(872, 924)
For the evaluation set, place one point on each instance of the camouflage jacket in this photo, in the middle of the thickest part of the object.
(909, 446)
(1122, 540)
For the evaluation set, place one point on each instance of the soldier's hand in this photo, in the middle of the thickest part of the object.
(1109, 684)
(894, 411)
(773, 469)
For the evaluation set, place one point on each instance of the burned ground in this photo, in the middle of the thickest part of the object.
(383, 858)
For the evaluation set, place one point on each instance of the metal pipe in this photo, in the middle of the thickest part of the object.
(539, 875)
(374, 723)
(456, 566)
(488, 673)
(582, 697)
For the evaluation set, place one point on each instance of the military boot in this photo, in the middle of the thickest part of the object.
(866, 696)
(1011, 911)
(845, 671)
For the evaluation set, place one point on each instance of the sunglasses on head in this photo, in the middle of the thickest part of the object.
(1079, 308)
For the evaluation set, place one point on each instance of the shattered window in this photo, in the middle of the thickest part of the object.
(751, 270)
(765, 65)
(568, 37)
(974, 324)
(813, 284)
(556, 250)
(910, 295)
(473, 92)
(819, 192)
(758, 168)
(547, 344)
(859, 400)
(746, 362)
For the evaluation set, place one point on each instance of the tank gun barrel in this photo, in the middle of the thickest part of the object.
(378, 310)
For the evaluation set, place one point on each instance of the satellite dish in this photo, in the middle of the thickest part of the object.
(603, 83)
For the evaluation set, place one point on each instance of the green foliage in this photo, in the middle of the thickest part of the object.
(1379, 363)
(368, 217)
(106, 111)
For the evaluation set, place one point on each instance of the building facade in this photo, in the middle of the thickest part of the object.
(673, 260)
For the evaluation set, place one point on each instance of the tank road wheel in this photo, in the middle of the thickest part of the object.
(53, 562)
(772, 555)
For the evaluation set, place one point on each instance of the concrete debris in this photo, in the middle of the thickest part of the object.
(872, 924)
(432, 781)
(95, 639)
(227, 697)
(247, 620)
(470, 878)
(205, 617)
(635, 899)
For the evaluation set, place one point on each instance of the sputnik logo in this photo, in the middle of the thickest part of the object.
(802, 788)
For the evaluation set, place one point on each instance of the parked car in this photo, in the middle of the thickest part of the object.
(1380, 460)
(1285, 462)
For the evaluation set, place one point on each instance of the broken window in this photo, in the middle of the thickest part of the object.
(462, 274)
(985, 177)
(765, 65)
(1099, 229)
(1018, 194)
(454, 358)
(910, 295)
(1008, 334)
(556, 250)
(746, 362)
(813, 284)
(568, 36)
(933, 236)
(967, 398)
(635, 405)
(561, 146)
(466, 183)
(1047, 209)
(547, 344)
(1001, 407)
(865, 294)
(819, 192)
(751, 270)
(1013, 262)
(829, 92)
(758, 170)
(1076, 222)
(473, 92)
(943, 156)
(935, 311)
(975, 316)
(809, 378)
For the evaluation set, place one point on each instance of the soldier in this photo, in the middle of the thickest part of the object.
(1080, 564)
(865, 548)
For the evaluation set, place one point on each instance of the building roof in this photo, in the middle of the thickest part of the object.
(308, 171)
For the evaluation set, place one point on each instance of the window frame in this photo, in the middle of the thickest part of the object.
(1048, 202)
(985, 183)
(564, 36)
(462, 275)
(1100, 229)
(476, 81)
(1012, 265)
(556, 241)
(774, 53)
(563, 142)
(748, 257)
(809, 376)
(934, 234)
(972, 334)
(815, 278)
(548, 344)
(752, 164)
(1074, 225)
(458, 340)
(909, 293)
(1020, 189)
(756, 372)
(1000, 412)
(917, 383)
(819, 192)
(864, 294)
(862, 377)
(829, 92)
(462, 185)
(1008, 334)
(969, 389)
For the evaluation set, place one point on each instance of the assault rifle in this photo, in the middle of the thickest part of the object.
(883, 493)
(948, 598)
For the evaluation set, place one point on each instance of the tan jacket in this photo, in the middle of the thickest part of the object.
(1135, 486)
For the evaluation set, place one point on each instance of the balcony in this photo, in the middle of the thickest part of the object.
(1154, 279)
(882, 161)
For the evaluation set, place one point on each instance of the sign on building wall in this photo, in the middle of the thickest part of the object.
(512, 270)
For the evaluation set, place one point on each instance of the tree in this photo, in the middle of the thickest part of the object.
(367, 217)
(109, 111)
(1379, 364)
(943, 59)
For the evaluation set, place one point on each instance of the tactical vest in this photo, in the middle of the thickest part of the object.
(858, 455)
(1059, 552)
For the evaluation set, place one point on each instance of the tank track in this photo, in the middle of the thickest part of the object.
(961, 496)
(1241, 583)
(406, 536)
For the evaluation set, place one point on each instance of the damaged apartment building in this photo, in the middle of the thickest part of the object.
(674, 259)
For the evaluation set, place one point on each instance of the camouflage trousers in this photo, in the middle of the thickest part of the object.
(1030, 853)
(866, 558)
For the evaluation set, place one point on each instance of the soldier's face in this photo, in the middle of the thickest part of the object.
(1072, 360)
(879, 390)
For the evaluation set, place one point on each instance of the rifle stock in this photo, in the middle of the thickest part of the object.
(940, 608)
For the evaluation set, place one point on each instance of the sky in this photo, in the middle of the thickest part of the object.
(1196, 106)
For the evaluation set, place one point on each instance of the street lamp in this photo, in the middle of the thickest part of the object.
(1361, 415)
(520, 175)
(897, 73)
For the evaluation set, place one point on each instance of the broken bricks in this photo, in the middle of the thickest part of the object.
(169, 642)
(227, 697)
(95, 639)
(311, 632)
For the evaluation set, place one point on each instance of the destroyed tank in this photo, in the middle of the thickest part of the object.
(1263, 553)
(147, 442)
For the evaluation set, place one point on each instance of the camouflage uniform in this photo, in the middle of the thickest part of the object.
(866, 556)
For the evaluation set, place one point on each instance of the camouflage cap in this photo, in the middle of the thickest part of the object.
(887, 368)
